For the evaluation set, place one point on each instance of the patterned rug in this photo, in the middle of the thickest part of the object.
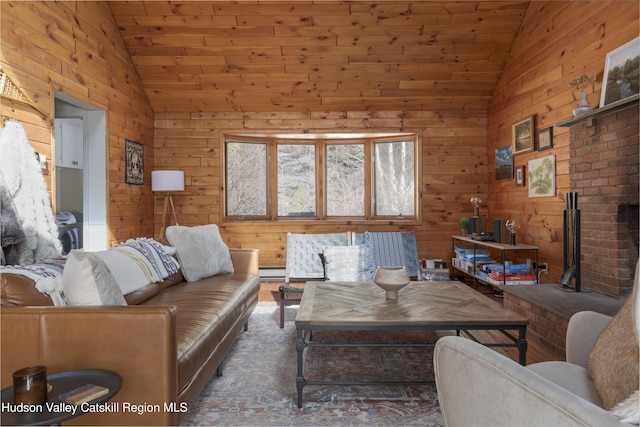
(259, 375)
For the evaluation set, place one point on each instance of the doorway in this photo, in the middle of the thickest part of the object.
(81, 173)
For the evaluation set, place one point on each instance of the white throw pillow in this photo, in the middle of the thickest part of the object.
(87, 281)
(347, 263)
(200, 250)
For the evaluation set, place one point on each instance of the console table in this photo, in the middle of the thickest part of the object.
(501, 247)
(61, 382)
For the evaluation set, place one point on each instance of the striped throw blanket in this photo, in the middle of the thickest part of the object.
(136, 263)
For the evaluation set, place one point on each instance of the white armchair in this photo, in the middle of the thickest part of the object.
(480, 387)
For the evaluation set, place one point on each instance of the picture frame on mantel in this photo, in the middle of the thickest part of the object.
(545, 139)
(134, 161)
(621, 73)
(523, 138)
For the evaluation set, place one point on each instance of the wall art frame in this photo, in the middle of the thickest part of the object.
(542, 177)
(520, 176)
(545, 139)
(523, 138)
(504, 163)
(134, 160)
(621, 73)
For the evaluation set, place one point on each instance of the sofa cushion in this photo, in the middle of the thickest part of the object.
(87, 281)
(570, 377)
(206, 312)
(17, 289)
(613, 362)
(200, 250)
(142, 294)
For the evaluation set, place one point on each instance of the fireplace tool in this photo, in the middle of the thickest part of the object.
(571, 243)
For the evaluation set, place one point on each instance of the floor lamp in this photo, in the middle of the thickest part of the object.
(167, 181)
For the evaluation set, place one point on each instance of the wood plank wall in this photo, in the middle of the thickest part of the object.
(558, 41)
(454, 168)
(76, 48)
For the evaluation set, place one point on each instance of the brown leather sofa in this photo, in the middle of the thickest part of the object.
(166, 344)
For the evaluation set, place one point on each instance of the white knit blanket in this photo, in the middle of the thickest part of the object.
(27, 188)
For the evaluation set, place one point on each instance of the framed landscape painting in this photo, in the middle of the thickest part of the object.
(621, 73)
(504, 163)
(542, 177)
(523, 137)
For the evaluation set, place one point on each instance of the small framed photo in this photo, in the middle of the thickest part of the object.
(523, 137)
(545, 139)
(621, 73)
(134, 155)
(520, 176)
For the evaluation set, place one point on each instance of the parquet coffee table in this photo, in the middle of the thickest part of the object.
(361, 306)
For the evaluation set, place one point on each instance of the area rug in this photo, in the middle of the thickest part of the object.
(258, 386)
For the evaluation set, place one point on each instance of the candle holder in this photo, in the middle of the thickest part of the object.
(512, 225)
(476, 202)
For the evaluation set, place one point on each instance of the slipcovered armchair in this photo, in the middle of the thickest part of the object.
(479, 386)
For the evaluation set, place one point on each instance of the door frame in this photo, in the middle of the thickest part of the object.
(94, 197)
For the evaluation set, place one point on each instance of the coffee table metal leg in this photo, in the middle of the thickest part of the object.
(522, 346)
(301, 345)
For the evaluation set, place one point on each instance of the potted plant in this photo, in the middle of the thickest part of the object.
(464, 225)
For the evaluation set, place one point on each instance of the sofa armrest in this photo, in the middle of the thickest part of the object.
(582, 333)
(478, 386)
(137, 342)
(245, 261)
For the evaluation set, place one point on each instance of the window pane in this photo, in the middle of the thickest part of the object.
(246, 179)
(394, 178)
(296, 180)
(345, 180)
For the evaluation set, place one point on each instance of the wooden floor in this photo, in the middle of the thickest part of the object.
(535, 352)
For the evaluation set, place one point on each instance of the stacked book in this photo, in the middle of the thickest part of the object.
(508, 274)
(472, 261)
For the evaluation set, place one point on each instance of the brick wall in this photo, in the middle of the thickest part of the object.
(604, 173)
(546, 328)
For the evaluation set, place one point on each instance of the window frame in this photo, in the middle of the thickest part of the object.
(321, 142)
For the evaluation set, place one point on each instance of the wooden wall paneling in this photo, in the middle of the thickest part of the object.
(75, 48)
(453, 153)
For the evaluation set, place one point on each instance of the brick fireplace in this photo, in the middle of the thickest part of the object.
(603, 168)
(604, 173)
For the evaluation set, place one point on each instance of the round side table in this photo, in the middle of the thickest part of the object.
(62, 382)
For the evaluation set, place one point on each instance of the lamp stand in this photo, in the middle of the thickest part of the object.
(168, 201)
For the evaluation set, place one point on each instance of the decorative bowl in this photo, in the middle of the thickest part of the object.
(391, 279)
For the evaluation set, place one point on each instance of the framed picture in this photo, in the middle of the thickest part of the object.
(134, 152)
(523, 137)
(545, 139)
(621, 73)
(504, 163)
(542, 177)
(520, 176)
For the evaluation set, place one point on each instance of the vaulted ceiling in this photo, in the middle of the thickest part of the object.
(318, 56)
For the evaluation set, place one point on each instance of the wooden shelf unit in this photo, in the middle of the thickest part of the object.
(501, 247)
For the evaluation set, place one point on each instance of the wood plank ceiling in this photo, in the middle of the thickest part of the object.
(318, 56)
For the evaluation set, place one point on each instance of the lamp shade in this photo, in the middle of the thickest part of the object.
(167, 181)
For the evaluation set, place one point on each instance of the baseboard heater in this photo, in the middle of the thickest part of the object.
(271, 272)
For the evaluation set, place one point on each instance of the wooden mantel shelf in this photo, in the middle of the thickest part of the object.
(598, 112)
